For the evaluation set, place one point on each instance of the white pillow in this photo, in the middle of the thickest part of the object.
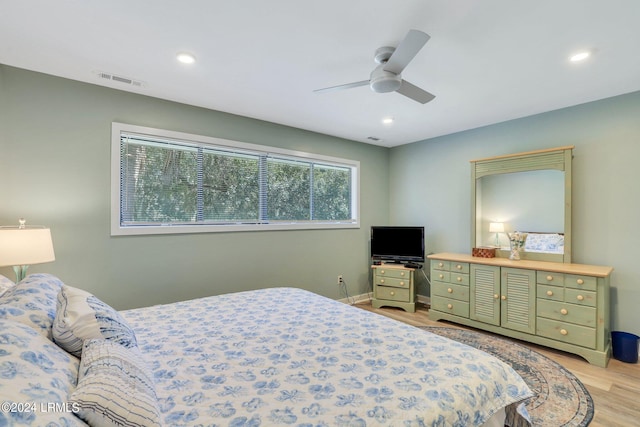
(115, 387)
(81, 316)
(5, 283)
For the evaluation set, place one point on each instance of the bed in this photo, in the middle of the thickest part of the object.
(270, 357)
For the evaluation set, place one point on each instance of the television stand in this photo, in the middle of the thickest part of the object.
(394, 286)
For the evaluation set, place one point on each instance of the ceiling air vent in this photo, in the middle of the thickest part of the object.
(120, 79)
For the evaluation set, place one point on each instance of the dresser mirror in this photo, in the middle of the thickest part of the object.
(527, 192)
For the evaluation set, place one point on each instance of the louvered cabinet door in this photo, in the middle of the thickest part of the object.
(485, 294)
(518, 299)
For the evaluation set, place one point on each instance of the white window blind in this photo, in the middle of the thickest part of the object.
(171, 182)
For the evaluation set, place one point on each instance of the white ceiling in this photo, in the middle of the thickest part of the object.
(487, 61)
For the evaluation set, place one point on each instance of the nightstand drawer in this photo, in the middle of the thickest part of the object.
(449, 290)
(392, 281)
(393, 272)
(554, 293)
(566, 332)
(564, 312)
(448, 305)
(550, 278)
(581, 282)
(392, 294)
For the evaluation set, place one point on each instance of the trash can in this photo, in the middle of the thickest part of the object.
(625, 346)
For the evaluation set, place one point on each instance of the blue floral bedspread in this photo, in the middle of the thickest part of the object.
(285, 356)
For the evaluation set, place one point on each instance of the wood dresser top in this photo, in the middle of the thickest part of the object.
(558, 267)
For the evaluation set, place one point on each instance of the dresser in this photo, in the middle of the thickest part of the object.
(560, 305)
(394, 286)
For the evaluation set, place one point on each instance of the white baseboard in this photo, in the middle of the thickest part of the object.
(355, 299)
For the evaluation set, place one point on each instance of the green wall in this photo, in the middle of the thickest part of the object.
(55, 171)
(606, 199)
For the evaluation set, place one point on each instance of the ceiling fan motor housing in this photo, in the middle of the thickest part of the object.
(382, 81)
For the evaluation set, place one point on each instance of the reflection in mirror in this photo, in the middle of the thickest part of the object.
(531, 201)
(528, 192)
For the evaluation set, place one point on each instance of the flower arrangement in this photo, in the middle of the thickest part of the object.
(516, 241)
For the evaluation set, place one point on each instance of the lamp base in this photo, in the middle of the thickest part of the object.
(21, 272)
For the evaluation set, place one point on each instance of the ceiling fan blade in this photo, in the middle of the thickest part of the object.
(342, 87)
(415, 93)
(406, 51)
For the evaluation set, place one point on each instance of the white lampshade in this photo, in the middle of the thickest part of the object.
(25, 246)
(496, 227)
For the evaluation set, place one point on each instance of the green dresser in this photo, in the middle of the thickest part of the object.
(393, 286)
(560, 305)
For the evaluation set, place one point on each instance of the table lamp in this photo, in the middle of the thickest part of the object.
(24, 245)
(496, 227)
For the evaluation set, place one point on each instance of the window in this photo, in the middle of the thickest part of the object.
(171, 182)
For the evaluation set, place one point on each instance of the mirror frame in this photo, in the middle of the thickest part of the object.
(548, 159)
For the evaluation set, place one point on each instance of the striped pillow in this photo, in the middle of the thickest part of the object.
(115, 387)
(81, 316)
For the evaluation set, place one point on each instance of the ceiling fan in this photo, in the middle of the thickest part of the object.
(386, 77)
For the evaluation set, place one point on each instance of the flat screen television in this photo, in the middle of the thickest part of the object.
(400, 244)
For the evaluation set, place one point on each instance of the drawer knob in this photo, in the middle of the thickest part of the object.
(549, 293)
(381, 280)
(450, 290)
(441, 276)
(580, 298)
(401, 283)
(440, 264)
(563, 332)
(496, 296)
(564, 311)
(549, 278)
(459, 267)
(402, 273)
(580, 282)
(504, 297)
(381, 271)
(459, 279)
(449, 306)
(392, 293)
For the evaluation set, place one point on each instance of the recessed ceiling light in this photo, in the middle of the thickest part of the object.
(387, 120)
(186, 58)
(580, 56)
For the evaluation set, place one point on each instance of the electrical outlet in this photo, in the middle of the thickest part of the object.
(340, 281)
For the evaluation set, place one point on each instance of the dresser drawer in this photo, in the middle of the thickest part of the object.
(459, 267)
(393, 272)
(437, 264)
(550, 278)
(566, 332)
(392, 281)
(588, 283)
(392, 294)
(564, 312)
(441, 276)
(554, 293)
(579, 296)
(449, 290)
(459, 278)
(448, 305)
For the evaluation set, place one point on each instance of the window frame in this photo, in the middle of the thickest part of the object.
(118, 229)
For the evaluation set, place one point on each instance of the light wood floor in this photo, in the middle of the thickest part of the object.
(615, 389)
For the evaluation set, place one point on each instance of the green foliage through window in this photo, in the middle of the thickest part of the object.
(173, 182)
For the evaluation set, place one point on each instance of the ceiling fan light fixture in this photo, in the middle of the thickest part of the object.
(382, 81)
